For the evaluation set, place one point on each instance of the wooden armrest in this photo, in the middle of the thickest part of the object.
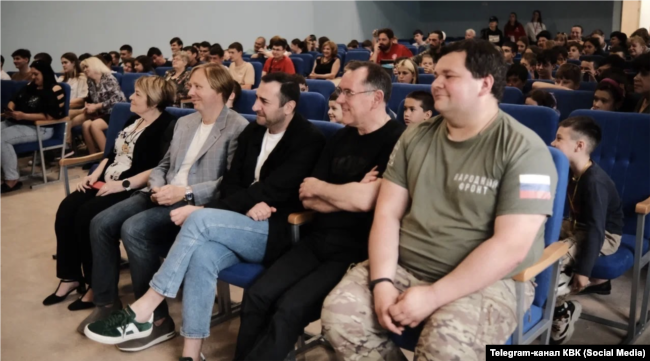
(67, 162)
(643, 207)
(551, 254)
(301, 217)
(51, 122)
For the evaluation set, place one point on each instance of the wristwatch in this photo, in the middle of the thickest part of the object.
(373, 283)
(126, 184)
(189, 195)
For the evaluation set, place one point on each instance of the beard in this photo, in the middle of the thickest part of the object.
(383, 47)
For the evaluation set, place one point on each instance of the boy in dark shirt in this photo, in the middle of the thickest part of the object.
(342, 190)
(595, 225)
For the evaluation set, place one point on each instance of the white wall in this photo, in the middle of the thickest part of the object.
(455, 17)
(94, 27)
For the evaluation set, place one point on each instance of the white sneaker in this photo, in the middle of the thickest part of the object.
(564, 322)
(564, 284)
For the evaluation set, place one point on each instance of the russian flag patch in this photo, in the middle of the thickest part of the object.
(534, 186)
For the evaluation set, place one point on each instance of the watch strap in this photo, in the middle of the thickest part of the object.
(373, 283)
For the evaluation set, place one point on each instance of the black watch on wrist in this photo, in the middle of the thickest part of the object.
(126, 184)
(189, 195)
(373, 283)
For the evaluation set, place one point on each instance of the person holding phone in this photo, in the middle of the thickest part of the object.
(41, 99)
(138, 149)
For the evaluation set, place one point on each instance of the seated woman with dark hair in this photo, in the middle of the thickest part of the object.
(103, 92)
(143, 64)
(138, 149)
(128, 65)
(542, 98)
(41, 99)
(642, 83)
(592, 46)
(609, 95)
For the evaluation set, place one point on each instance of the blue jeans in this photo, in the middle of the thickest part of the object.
(211, 240)
(13, 133)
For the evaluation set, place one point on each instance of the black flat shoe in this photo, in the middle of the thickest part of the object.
(601, 289)
(53, 298)
(78, 304)
(6, 189)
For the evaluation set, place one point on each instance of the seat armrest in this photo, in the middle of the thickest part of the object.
(300, 218)
(68, 162)
(643, 207)
(51, 122)
(551, 255)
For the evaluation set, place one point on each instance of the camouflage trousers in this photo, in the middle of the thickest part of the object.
(459, 330)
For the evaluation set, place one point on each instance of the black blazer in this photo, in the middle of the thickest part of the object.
(291, 161)
(150, 147)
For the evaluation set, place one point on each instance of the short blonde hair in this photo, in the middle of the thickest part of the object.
(95, 64)
(183, 56)
(638, 40)
(411, 67)
(160, 93)
(218, 77)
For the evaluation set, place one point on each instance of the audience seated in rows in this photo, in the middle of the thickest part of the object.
(202, 149)
(609, 95)
(385, 49)
(143, 64)
(41, 99)
(509, 51)
(543, 37)
(546, 63)
(495, 234)
(517, 76)
(542, 98)
(326, 67)
(157, 59)
(204, 51)
(407, 71)
(216, 54)
(193, 54)
(138, 148)
(103, 93)
(128, 65)
(179, 76)
(567, 77)
(637, 46)
(258, 192)
(115, 56)
(561, 39)
(126, 52)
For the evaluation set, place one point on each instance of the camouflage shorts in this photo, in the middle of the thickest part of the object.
(457, 331)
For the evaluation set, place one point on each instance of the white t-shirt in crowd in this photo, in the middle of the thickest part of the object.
(199, 139)
(5, 76)
(268, 144)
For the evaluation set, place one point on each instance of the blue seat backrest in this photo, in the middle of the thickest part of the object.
(179, 112)
(426, 79)
(573, 61)
(327, 128)
(312, 106)
(244, 104)
(553, 223)
(400, 91)
(360, 55)
(120, 113)
(324, 87)
(413, 49)
(161, 70)
(595, 58)
(226, 63)
(250, 117)
(258, 73)
(118, 69)
(542, 120)
(66, 91)
(342, 48)
(298, 65)
(570, 100)
(512, 95)
(119, 77)
(624, 154)
(588, 86)
(420, 70)
(128, 83)
(308, 61)
(9, 88)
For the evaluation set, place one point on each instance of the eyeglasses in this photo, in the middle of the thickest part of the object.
(349, 93)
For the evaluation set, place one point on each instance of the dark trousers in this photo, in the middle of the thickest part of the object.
(72, 228)
(147, 232)
(284, 300)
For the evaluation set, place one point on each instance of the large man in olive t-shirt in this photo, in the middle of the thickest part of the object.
(461, 210)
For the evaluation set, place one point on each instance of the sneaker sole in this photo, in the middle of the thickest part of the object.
(115, 340)
(160, 339)
(574, 318)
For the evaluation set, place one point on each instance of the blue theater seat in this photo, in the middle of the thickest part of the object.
(400, 91)
(118, 69)
(298, 65)
(359, 55)
(570, 100)
(313, 106)
(427, 79)
(258, 73)
(324, 87)
(624, 154)
(308, 61)
(512, 95)
(542, 120)
(128, 83)
(244, 104)
(161, 70)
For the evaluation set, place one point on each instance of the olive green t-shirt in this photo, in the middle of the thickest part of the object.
(457, 189)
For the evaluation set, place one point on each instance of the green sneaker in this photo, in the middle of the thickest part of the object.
(119, 327)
